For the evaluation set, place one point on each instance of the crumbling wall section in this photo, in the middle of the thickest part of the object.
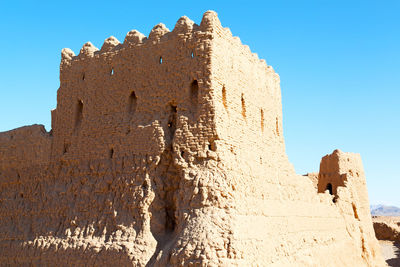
(344, 173)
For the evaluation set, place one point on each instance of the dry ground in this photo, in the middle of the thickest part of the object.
(391, 252)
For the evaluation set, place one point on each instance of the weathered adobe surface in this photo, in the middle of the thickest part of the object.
(387, 228)
(168, 151)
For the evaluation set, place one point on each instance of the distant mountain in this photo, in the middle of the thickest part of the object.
(382, 210)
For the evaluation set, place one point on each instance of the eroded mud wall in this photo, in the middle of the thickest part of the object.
(112, 183)
(169, 150)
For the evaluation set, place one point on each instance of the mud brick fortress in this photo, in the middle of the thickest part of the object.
(168, 150)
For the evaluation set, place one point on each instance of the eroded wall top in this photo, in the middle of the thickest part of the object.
(25, 146)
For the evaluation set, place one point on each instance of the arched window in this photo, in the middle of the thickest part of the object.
(132, 103)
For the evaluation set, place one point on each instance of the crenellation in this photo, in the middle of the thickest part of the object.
(87, 50)
(158, 32)
(109, 44)
(184, 26)
(134, 38)
(66, 55)
(210, 21)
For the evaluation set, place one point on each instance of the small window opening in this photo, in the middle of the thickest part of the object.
(194, 93)
(243, 107)
(111, 153)
(79, 114)
(132, 103)
(355, 211)
(83, 76)
(182, 154)
(212, 146)
(329, 188)
(262, 120)
(174, 108)
(224, 97)
(112, 71)
(66, 147)
(21, 195)
(192, 55)
(160, 60)
(277, 126)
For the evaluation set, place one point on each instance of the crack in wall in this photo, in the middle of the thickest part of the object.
(165, 183)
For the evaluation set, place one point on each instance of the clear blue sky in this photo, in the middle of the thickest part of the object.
(339, 63)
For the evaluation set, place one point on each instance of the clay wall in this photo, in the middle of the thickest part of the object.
(24, 147)
(167, 150)
(121, 97)
(345, 172)
(129, 119)
(284, 206)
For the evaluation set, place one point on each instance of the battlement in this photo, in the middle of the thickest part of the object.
(129, 89)
(159, 33)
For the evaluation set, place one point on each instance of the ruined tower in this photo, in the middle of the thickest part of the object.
(168, 151)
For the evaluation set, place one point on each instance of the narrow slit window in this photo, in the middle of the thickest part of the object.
(224, 97)
(79, 114)
(194, 94)
(277, 127)
(262, 120)
(243, 107)
(132, 103)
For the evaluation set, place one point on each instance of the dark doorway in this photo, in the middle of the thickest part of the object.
(329, 188)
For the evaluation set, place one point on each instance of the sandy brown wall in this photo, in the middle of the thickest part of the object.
(131, 121)
(278, 217)
(167, 150)
(24, 147)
